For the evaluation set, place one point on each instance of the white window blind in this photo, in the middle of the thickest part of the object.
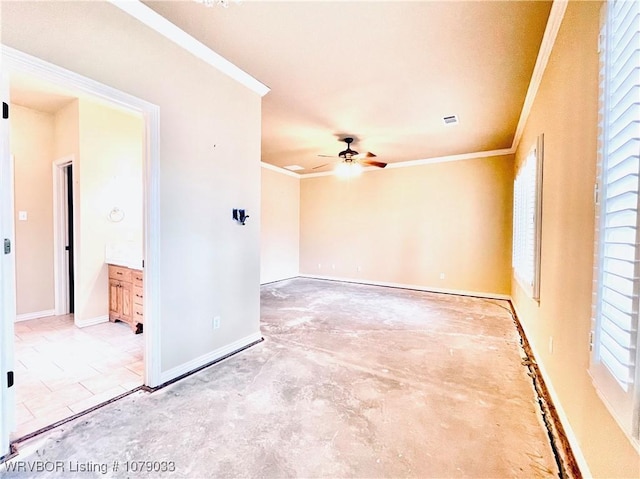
(615, 341)
(526, 222)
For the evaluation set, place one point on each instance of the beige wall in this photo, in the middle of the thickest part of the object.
(67, 131)
(108, 174)
(32, 144)
(67, 147)
(280, 226)
(565, 110)
(210, 163)
(408, 225)
(107, 148)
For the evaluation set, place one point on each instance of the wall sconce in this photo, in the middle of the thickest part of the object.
(240, 216)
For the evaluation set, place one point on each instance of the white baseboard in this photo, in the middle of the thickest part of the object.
(208, 358)
(564, 420)
(83, 323)
(35, 315)
(279, 279)
(429, 289)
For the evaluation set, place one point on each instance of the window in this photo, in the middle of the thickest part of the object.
(614, 361)
(527, 208)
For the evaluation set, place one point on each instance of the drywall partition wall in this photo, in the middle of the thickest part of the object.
(565, 110)
(109, 175)
(67, 134)
(280, 225)
(32, 144)
(67, 148)
(411, 225)
(209, 164)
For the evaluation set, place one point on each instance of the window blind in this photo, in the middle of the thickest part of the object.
(526, 222)
(615, 357)
(617, 306)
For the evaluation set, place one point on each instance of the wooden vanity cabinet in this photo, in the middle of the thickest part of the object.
(137, 298)
(126, 296)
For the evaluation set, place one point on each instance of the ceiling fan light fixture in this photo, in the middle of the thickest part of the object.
(348, 153)
(348, 169)
(352, 161)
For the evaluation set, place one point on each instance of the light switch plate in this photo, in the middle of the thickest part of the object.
(22, 215)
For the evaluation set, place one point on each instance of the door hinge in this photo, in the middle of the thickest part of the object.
(7, 246)
(5, 110)
(9, 379)
(596, 193)
(591, 341)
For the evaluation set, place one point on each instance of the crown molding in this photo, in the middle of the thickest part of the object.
(164, 27)
(548, 41)
(277, 169)
(426, 161)
(461, 157)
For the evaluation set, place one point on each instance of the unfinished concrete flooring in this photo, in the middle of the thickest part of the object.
(351, 381)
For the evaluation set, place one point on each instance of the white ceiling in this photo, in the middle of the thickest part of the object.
(36, 94)
(385, 72)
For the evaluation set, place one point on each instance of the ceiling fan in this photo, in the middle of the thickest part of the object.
(350, 156)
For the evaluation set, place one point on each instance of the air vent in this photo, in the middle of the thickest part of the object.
(450, 120)
(293, 167)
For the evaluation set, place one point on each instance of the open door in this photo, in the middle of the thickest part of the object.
(7, 276)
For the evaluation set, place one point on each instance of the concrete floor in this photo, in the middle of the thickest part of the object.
(351, 381)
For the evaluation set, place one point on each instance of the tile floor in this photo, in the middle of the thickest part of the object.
(61, 370)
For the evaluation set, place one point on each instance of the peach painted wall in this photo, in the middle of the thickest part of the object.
(566, 111)
(408, 225)
(108, 175)
(209, 164)
(280, 226)
(32, 144)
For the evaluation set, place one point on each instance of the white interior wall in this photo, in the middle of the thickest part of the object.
(32, 144)
(280, 227)
(210, 164)
(108, 174)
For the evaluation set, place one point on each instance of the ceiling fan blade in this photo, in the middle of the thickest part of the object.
(327, 156)
(379, 164)
(364, 156)
(320, 166)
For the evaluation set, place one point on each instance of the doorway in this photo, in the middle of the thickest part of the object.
(63, 236)
(69, 246)
(73, 360)
(19, 63)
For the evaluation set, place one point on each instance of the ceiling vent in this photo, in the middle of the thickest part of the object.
(293, 167)
(450, 120)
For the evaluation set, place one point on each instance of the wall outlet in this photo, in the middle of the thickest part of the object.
(319, 265)
(216, 322)
(22, 215)
(333, 266)
(441, 275)
(359, 268)
(551, 344)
